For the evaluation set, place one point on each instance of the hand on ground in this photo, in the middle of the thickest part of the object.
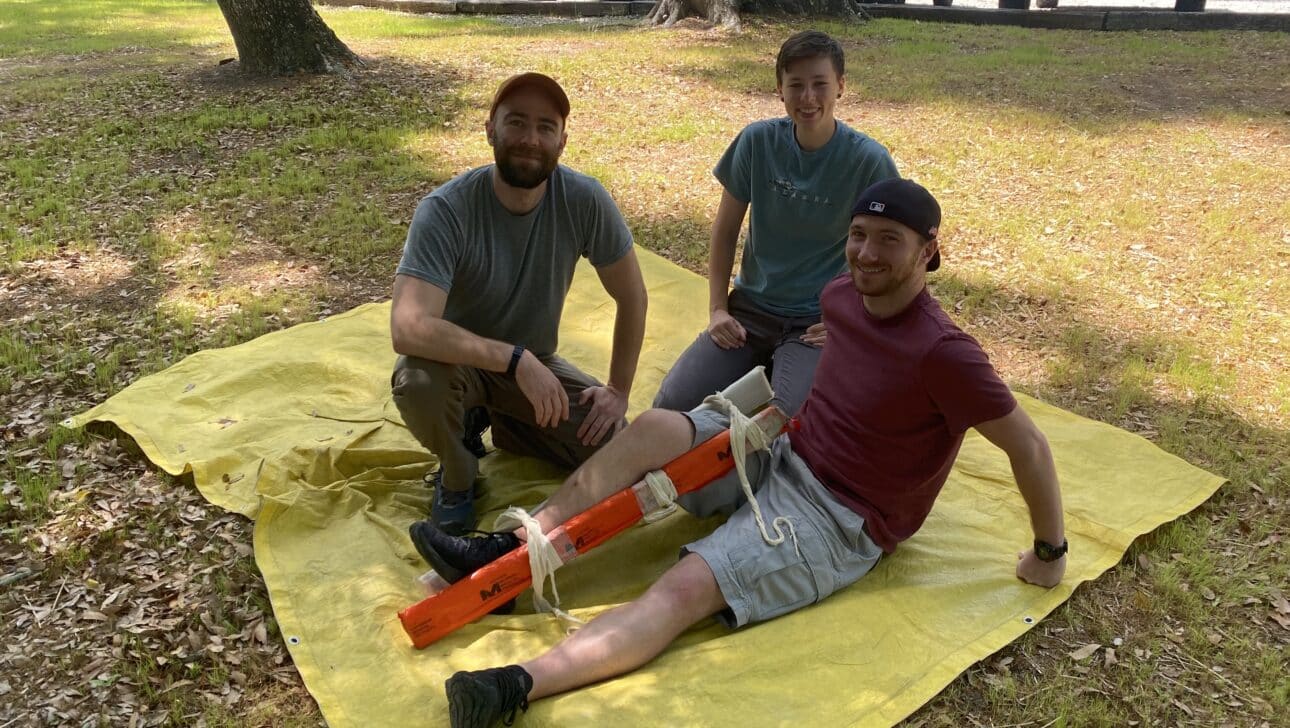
(815, 335)
(543, 390)
(1040, 573)
(725, 330)
(608, 406)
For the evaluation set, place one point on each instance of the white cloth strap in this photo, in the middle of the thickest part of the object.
(544, 559)
(745, 434)
(663, 491)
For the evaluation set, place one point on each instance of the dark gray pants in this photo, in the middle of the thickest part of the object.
(772, 341)
(433, 398)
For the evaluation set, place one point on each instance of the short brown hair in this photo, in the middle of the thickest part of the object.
(809, 44)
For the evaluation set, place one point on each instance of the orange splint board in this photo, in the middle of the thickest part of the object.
(504, 579)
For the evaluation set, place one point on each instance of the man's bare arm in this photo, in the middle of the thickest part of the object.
(722, 327)
(417, 328)
(724, 239)
(623, 282)
(1036, 476)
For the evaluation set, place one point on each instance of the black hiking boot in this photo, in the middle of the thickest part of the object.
(455, 557)
(475, 421)
(482, 698)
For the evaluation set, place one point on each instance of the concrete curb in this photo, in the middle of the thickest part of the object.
(1068, 19)
(1087, 18)
(558, 8)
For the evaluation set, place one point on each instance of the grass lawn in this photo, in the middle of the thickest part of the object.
(1117, 235)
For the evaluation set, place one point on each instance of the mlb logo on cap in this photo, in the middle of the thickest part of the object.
(877, 207)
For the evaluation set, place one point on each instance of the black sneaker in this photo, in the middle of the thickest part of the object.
(475, 421)
(454, 557)
(479, 699)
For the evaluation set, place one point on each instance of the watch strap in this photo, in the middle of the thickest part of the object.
(516, 355)
(1048, 552)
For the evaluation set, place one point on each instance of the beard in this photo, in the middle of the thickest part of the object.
(522, 172)
(893, 280)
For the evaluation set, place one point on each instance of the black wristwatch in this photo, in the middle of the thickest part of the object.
(1048, 552)
(516, 355)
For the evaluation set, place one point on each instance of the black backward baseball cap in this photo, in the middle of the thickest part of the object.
(906, 202)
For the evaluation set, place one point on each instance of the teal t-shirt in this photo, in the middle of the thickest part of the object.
(507, 275)
(799, 208)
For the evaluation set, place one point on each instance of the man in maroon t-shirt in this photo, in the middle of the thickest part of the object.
(897, 386)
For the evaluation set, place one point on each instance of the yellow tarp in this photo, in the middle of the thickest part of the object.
(298, 430)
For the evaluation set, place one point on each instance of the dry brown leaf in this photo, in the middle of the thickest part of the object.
(1279, 602)
(1085, 652)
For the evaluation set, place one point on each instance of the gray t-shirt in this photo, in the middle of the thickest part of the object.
(800, 208)
(507, 275)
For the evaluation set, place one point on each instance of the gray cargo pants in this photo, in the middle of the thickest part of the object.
(772, 341)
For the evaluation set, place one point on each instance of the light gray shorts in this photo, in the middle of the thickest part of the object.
(760, 581)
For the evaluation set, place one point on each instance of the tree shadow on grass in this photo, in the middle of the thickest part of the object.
(1165, 388)
(226, 212)
(1093, 81)
(306, 167)
(1158, 385)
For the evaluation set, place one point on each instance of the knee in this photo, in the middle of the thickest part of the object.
(689, 587)
(654, 422)
(419, 380)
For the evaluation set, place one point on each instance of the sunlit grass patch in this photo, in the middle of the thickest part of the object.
(36, 27)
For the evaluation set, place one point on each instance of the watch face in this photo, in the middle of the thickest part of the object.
(1048, 552)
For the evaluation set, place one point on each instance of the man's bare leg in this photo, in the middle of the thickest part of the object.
(654, 439)
(629, 636)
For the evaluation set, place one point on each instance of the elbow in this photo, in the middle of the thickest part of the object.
(642, 306)
(1035, 449)
(1040, 446)
(400, 343)
(401, 336)
(634, 299)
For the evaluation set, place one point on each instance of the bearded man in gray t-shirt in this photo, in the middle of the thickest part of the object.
(478, 294)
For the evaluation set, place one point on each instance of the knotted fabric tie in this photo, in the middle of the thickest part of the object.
(544, 559)
(745, 434)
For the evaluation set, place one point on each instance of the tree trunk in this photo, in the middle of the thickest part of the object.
(277, 37)
(718, 12)
(726, 12)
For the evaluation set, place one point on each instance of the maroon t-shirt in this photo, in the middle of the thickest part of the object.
(890, 403)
